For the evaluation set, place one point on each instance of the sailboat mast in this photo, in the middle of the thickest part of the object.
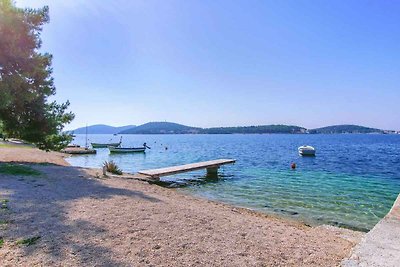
(86, 145)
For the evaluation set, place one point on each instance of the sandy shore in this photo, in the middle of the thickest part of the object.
(21, 153)
(85, 221)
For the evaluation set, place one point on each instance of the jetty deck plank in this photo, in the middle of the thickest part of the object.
(212, 164)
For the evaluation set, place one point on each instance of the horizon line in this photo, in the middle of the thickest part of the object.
(134, 125)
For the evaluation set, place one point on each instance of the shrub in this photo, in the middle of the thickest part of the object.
(3, 204)
(112, 167)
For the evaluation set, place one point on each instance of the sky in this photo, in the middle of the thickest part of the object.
(213, 63)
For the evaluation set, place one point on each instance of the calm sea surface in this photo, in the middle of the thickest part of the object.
(352, 182)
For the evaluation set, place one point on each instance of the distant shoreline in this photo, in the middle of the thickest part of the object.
(175, 128)
(243, 134)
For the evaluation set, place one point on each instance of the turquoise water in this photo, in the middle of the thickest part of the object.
(352, 182)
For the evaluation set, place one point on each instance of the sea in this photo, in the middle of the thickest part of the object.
(352, 181)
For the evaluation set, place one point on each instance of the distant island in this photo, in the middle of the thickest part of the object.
(175, 128)
(341, 129)
(162, 128)
(102, 129)
(261, 129)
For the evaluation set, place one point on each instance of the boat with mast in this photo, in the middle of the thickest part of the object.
(114, 149)
(104, 145)
(78, 150)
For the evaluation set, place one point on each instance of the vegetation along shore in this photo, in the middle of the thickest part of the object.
(175, 128)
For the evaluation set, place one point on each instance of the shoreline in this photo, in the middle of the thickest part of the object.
(277, 215)
(255, 212)
(282, 217)
(59, 158)
(87, 221)
(23, 153)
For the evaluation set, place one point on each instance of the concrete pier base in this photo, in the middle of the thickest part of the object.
(380, 246)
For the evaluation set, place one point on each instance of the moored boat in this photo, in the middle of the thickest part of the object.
(104, 145)
(114, 149)
(306, 151)
(100, 145)
(73, 145)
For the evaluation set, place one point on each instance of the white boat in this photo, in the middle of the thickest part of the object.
(114, 149)
(306, 151)
(118, 149)
(104, 145)
(101, 145)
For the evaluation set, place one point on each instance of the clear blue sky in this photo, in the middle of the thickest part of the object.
(226, 63)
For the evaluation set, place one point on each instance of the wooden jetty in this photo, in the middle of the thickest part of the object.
(212, 167)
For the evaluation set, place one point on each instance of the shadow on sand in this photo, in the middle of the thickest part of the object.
(38, 206)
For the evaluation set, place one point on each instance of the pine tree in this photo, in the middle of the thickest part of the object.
(26, 81)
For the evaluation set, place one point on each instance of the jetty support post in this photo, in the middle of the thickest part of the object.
(104, 171)
(212, 171)
(155, 178)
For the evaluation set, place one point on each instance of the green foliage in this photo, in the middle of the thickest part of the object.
(3, 204)
(161, 128)
(28, 241)
(26, 82)
(102, 129)
(17, 169)
(262, 129)
(1, 242)
(2, 133)
(112, 167)
(174, 128)
(337, 129)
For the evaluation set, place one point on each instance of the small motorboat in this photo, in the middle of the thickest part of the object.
(104, 145)
(306, 151)
(115, 149)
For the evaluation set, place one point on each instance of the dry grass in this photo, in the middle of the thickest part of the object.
(112, 167)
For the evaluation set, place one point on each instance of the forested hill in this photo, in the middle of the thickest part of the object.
(175, 128)
(161, 128)
(102, 129)
(339, 129)
(262, 129)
